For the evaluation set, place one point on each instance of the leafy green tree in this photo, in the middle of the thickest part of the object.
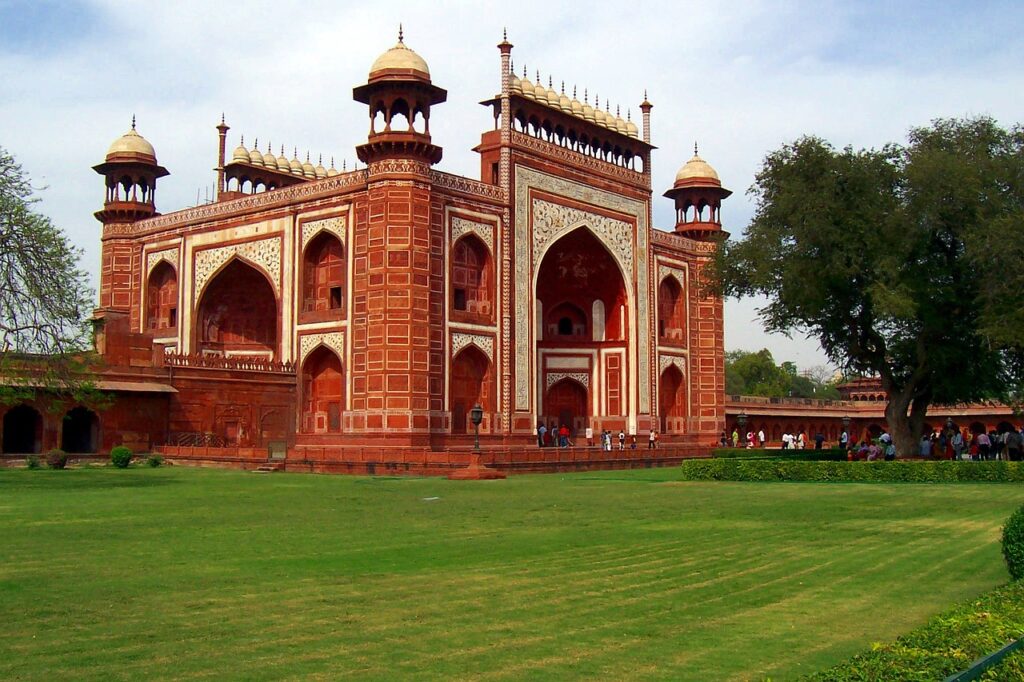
(903, 262)
(755, 374)
(44, 298)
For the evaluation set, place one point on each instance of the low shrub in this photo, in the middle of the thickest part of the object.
(154, 461)
(32, 462)
(1013, 544)
(946, 644)
(121, 456)
(808, 455)
(56, 459)
(854, 472)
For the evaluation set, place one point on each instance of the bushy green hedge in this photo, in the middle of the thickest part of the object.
(829, 454)
(856, 472)
(946, 644)
(1013, 544)
(56, 459)
(121, 456)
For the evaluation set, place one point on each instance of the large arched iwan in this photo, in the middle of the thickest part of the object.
(237, 314)
(672, 400)
(470, 385)
(162, 298)
(323, 392)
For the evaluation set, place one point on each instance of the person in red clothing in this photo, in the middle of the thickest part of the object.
(563, 436)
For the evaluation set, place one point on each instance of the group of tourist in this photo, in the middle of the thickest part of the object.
(562, 437)
(1007, 443)
(790, 441)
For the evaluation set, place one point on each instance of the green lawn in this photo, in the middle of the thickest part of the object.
(188, 573)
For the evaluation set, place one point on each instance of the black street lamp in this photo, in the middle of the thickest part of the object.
(741, 419)
(476, 415)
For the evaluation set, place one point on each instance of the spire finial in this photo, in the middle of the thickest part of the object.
(607, 105)
(401, 37)
(241, 140)
(629, 114)
(282, 150)
(344, 164)
(550, 85)
(320, 161)
(538, 76)
(133, 121)
(512, 66)
(256, 144)
(295, 153)
(563, 87)
(269, 144)
(585, 96)
(222, 118)
(332, 162)
(618, 114)
(307, 156)
(504, 33)
(695, 147)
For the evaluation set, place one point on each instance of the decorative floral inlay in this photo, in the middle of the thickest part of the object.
(333, 340)
(461, 226)
(665, 360)
(265, 253)
(484, 343)
(170, 255)
(551, 221)
(335, 226)
(666, 270)
(554, 377)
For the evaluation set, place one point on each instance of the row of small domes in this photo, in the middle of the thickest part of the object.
(282, 164)
(573, 107)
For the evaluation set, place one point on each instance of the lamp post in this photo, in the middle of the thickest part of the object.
(476, 415)
(741, 419)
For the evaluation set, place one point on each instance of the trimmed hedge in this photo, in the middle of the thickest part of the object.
(1013, 544)
(828, 454)
(946, 644)
(56, 459)
(121, 456)
(855, 472)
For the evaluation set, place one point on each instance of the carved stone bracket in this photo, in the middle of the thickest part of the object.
(333, 340)
(265, 254)
(554, 377)
(484, 343)
(335, 226)
(169, 255)
(462, 226)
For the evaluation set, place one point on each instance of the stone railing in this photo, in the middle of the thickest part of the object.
(248, 364)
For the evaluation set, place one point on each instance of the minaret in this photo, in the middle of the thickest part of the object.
(222, 132)
(130, 171)
(698, 195)
(397, 330)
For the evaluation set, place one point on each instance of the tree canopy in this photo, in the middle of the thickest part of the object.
(903, 262)
(750, 373)
(44, 298)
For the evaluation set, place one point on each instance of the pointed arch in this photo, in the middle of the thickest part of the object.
(237, 313)
(80, 431)
(23, 430)
(323, 391)
(672, 400)
(671, 310)
(162, 297)
(472, 278)
(470, 384)
(567, 401)
(324, 276)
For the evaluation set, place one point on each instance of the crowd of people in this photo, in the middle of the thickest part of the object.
(555, 436)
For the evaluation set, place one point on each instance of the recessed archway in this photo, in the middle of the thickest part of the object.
(567, 402)
(162, 298)
(323, 392)
(80, 431)
(323, 275)
(672, 400)
(472, 278)
(237, 314)
(469, 386)
(671, 312)
(23, 431)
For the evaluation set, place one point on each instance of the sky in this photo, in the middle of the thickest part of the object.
(739, 78)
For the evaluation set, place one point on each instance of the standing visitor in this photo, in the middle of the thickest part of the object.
(819, 440)
(984, 446)
(622, 440)
(652, 439)
(844, 440)
(801, 441)
(735, 438)
(590, 436)
(1014, 443)
(632, 441)
(925, 446)
(760, 438)
(541, 430)
(958, 444)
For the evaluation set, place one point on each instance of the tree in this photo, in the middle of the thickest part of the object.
(44, 298)
(749, 373)
(903, 262)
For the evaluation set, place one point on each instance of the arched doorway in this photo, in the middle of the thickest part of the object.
(469, 386)
(238, 314)
(471, 279)
(162, 298)
(566, 403)
(323, 392)
(80, 431)
(672, 400)
(23, 431)
(671, 312)
(323, 275)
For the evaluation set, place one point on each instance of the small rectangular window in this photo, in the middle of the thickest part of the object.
(172, 317)
(495, 174)
(335, 298)
(460, 299)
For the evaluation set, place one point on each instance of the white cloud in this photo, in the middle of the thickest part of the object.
(740, 78)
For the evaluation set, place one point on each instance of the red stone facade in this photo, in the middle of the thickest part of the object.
(373, 308)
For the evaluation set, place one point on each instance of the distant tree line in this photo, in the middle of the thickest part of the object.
(750, 373)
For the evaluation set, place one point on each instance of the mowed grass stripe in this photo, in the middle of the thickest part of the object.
(567, 568)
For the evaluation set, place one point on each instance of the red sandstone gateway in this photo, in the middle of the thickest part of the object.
(350, 320)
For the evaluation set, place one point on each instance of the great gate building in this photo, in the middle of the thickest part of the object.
(324, 309)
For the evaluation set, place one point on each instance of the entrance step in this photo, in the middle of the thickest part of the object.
(266, 469)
